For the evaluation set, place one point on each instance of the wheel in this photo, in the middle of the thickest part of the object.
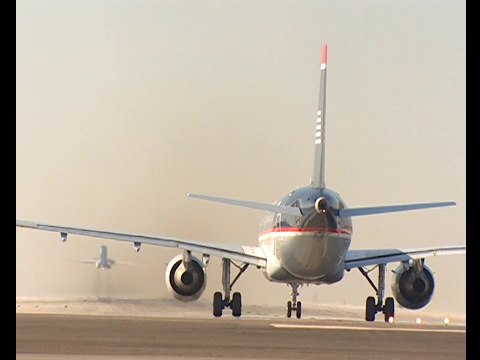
(289, 309)
(217, 304)
(236, 304)
(299, 309)
(370, 309)
(389, 308)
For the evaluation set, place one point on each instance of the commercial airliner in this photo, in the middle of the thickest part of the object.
(305, 239)
(103, 262)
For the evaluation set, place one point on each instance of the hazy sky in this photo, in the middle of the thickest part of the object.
(122, 107)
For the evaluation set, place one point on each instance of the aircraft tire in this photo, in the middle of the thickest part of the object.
(370, 309)
(289, 309)
(299, 310)
(236, 304)
(217, 304)
(389, 308)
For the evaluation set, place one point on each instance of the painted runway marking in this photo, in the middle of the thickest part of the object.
(341, 327)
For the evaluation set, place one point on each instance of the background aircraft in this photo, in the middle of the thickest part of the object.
(305, 239)
(102, 262)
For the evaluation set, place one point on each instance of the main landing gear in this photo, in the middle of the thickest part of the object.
(371, 308)
(294, 305)
(235, 303)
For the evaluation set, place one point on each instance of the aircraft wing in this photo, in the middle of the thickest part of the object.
(90, 261)
(360, 258)
(248, 254)
(123, 263)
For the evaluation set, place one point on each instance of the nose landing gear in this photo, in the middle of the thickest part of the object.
(294, 305)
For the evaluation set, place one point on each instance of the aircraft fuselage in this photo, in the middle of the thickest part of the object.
(103, 262)
(309, 248)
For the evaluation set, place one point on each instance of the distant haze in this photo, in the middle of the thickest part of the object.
(122, 107)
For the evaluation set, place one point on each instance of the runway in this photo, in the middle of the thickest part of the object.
(73, 336)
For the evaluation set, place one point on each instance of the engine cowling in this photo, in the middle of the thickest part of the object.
(413, 286)
(185, 284)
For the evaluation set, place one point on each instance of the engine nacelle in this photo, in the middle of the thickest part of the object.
(185, 284)
(412, 286)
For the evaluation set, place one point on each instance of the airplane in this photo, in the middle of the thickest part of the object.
(103, 262)
(305, 239)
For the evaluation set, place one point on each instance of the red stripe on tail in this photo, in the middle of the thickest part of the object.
(324, 54)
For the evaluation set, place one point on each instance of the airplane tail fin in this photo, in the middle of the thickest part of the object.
(318, 179)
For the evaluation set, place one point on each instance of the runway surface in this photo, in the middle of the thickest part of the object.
(50, 335)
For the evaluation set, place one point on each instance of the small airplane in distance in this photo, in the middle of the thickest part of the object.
(305, 239)
(103, 262)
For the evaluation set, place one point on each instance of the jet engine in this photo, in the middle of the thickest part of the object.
(321, 205)
(185, 277)
(413, 284)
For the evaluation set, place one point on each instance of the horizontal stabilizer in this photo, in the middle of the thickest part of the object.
(250, 204)
(390, 208)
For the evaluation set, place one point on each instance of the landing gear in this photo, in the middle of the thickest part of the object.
(294, 305)
(235, 303)
(372, 307)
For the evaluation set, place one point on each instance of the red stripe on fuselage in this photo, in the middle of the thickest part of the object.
(305, 229)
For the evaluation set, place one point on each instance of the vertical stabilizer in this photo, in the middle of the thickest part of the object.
(103, 254)
(318, 179)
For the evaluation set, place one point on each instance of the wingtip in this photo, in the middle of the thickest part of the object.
(449, 203)
(324, 54)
